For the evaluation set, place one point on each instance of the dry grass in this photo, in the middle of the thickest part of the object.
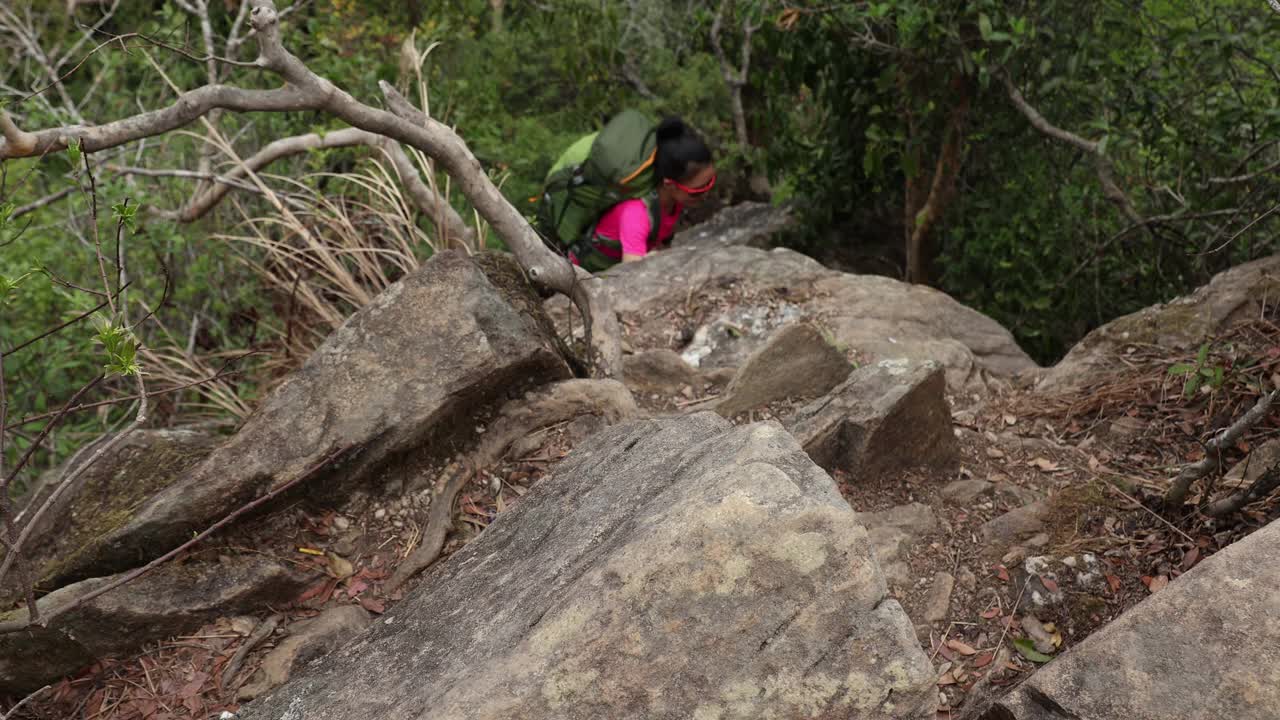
(320, 256)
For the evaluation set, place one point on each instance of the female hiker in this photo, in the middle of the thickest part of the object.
(683, 175)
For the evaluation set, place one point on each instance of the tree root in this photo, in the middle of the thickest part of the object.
(260, 633)
(546, 406)
(1212, 456)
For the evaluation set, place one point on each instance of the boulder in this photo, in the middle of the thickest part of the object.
(877, 317)
(748, 223)
(170, 600)
(1196, 650)
(308, 640)
(797, 362)
(143, 463)
(398, 385)
(883, 318)
(674, 567)
(1186, 322)
(884, 418)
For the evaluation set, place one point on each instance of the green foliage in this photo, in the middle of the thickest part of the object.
(1199, 374)
(119, 345)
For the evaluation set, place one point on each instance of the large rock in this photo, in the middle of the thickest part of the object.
(748, 223)
(141, 464)
(396, 386)
(674, 568)
(796, 362)
(1196, 650)
(884, 418)
(171, 600)
(1186, 322)
(878, 317)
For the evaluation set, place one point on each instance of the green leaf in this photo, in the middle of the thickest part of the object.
(74, 153)
(1027, 649)
(1102, 144)
(984, 25)
(1182, 369)
(124, 212)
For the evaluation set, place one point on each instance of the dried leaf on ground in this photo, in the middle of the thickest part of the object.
(1158, 583)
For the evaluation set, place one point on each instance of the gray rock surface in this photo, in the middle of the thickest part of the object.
(894, 532)
(657, 372)
(307, 640)
(143, 463)
(171, 600)
(937, 602)
(396, 386)
(877, 316)
(1002, 531)
(796, 362)
(747, 223)
(670, 568)
(1232, 295)
(1199, 649)
(883, 418)
(965, 492)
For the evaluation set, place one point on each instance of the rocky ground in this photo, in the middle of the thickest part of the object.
(1045, 527)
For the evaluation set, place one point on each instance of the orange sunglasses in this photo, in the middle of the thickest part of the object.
(694, 191)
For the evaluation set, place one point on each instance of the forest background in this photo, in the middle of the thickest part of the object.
(1053, 164)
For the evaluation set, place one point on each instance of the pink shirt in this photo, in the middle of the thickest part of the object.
(628, 223)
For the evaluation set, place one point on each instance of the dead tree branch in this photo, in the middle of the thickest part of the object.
(1102, 164)
(304, 90)
(1212, 459)
(1260, 489)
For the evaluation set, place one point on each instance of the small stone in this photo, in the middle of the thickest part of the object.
(380, 513)
(1038, 541)
(1014, 556)
(340, 523)
(964, 492)
(966, 578)
(397, 524)
(938, 601)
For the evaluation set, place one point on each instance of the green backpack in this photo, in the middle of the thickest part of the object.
(597, 172)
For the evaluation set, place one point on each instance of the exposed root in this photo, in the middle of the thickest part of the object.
(439, 520)
(547, 406)
(260, 633)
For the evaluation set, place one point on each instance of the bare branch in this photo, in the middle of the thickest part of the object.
(304, 90)
(1105, 170)
(1260, 489)
(46, 200)
(1177, 493)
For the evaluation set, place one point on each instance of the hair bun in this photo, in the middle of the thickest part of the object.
(670, 128)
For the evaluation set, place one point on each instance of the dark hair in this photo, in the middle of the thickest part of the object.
(678, 147)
